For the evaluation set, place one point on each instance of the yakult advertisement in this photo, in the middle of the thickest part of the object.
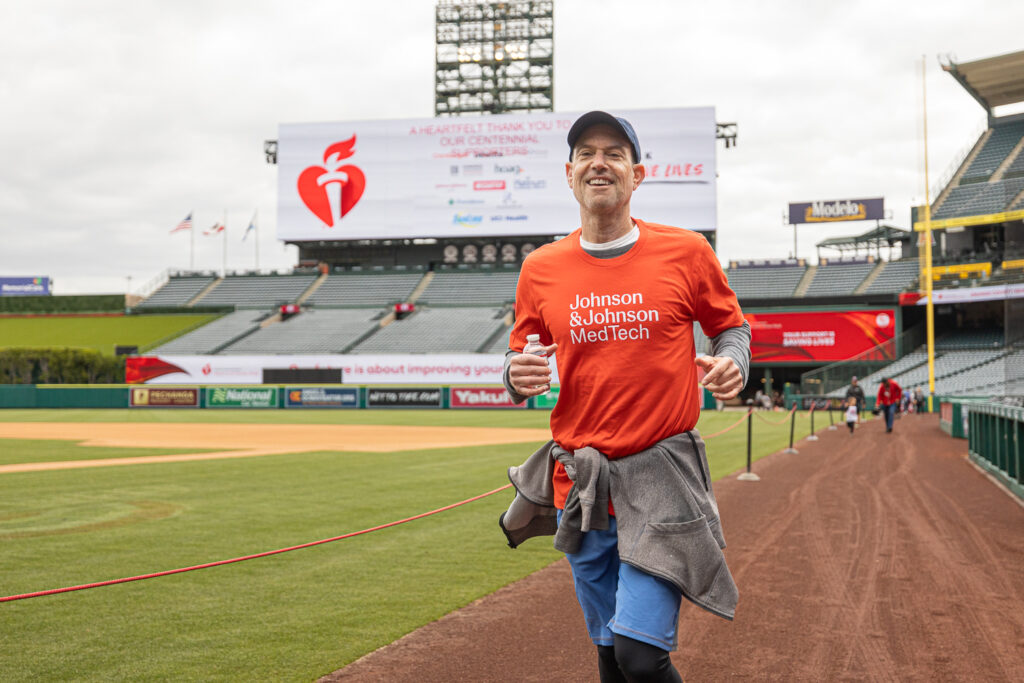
(477, 176)
(819, 335)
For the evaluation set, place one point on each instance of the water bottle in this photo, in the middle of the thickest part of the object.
(534, 346)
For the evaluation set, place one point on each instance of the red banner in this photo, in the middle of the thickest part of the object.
(820, 336)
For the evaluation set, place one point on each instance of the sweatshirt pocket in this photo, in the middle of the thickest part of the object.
(685, 553)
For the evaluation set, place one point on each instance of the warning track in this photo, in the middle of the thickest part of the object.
(866, 557)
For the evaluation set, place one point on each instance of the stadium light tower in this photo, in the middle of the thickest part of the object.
(494, 57)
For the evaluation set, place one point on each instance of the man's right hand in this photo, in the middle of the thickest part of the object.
(530, 374)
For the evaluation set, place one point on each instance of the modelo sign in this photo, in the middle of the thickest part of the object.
(836, 210)
(482, 397)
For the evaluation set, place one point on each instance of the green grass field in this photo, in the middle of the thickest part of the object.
(293, 616)
(98, 333)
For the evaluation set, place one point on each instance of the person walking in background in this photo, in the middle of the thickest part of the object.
(856, 391)
(625, 454)
(851, 413)
(919, 400)
(888, 400)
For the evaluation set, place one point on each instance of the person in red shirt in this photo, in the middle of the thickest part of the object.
(888, 400)
(617, 300)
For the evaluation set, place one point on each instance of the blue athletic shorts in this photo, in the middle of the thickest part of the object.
(619, 598)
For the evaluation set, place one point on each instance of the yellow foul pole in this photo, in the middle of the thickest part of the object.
(926, 269)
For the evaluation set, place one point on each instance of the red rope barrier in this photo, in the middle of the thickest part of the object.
(782, 421)
(729, 428)
(52, 591)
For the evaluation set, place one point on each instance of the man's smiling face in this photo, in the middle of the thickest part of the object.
(602, 174)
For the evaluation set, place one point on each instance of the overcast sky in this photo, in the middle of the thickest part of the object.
(118, 118)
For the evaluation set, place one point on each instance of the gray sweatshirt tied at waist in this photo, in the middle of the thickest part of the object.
(667, 516)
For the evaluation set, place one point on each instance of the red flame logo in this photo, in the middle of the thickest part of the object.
(330, 191)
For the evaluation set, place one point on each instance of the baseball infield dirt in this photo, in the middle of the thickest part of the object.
(250, 440)
(870, 556)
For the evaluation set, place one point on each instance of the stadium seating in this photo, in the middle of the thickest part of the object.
(999, 145)
(177, 291)
(257, 291)
(765, 282)
(312, 331)
(468, 288)
(364, 289)
(895, 276)
(436, 330)
(838, 279)
(210, 338)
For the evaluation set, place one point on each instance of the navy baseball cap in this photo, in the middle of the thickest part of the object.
(592, 118)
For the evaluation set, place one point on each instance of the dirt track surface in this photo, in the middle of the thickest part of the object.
(867, 557)
(250, 440)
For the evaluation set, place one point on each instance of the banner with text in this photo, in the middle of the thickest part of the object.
(836, 210)
(477, 176)
(465, 368)
(818, 336)
(482, 397)
(321, 397)
(24, 286)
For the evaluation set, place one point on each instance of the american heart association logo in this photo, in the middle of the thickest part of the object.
(330, 191)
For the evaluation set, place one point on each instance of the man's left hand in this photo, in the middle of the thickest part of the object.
(722, 378)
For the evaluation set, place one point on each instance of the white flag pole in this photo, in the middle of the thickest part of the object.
(192, 243)
(224, 234)
(256, 224)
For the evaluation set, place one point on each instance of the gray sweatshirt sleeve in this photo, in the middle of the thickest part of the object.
(732, 343)
(516, 396)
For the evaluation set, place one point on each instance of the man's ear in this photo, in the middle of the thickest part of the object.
(568, 172)
(639, 173)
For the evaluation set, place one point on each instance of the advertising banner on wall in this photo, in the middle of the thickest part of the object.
(818, 336)
(455, 368)
(404, 397)
(232, 397)
(24, 286)
(482, 397)
(321, 397)
(498, 175)
(147, 397)
(836, 210)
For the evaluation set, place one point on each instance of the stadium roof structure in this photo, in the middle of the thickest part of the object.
(883, 234)
(993, 81)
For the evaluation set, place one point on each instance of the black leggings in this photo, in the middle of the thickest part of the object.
(631, 661)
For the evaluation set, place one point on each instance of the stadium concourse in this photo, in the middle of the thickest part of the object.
(870, 556)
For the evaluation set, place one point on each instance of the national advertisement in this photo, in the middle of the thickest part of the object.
(481, 397)
(500, 175)
(241, 397)
(321, 397)
(820, 336)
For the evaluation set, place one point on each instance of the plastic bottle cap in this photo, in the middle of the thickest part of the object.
(535, 338)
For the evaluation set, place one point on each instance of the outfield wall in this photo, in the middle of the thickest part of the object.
(287, 397)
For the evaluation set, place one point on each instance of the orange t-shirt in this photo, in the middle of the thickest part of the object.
(624, 328)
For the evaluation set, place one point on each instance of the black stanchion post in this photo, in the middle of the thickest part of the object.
(831, 425)
(813, 436)
(748, 475)
(792, 426)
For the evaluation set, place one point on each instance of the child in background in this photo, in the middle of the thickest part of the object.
(851, 413)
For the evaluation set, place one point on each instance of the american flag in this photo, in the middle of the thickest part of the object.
(185, 224)
(218, 227)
